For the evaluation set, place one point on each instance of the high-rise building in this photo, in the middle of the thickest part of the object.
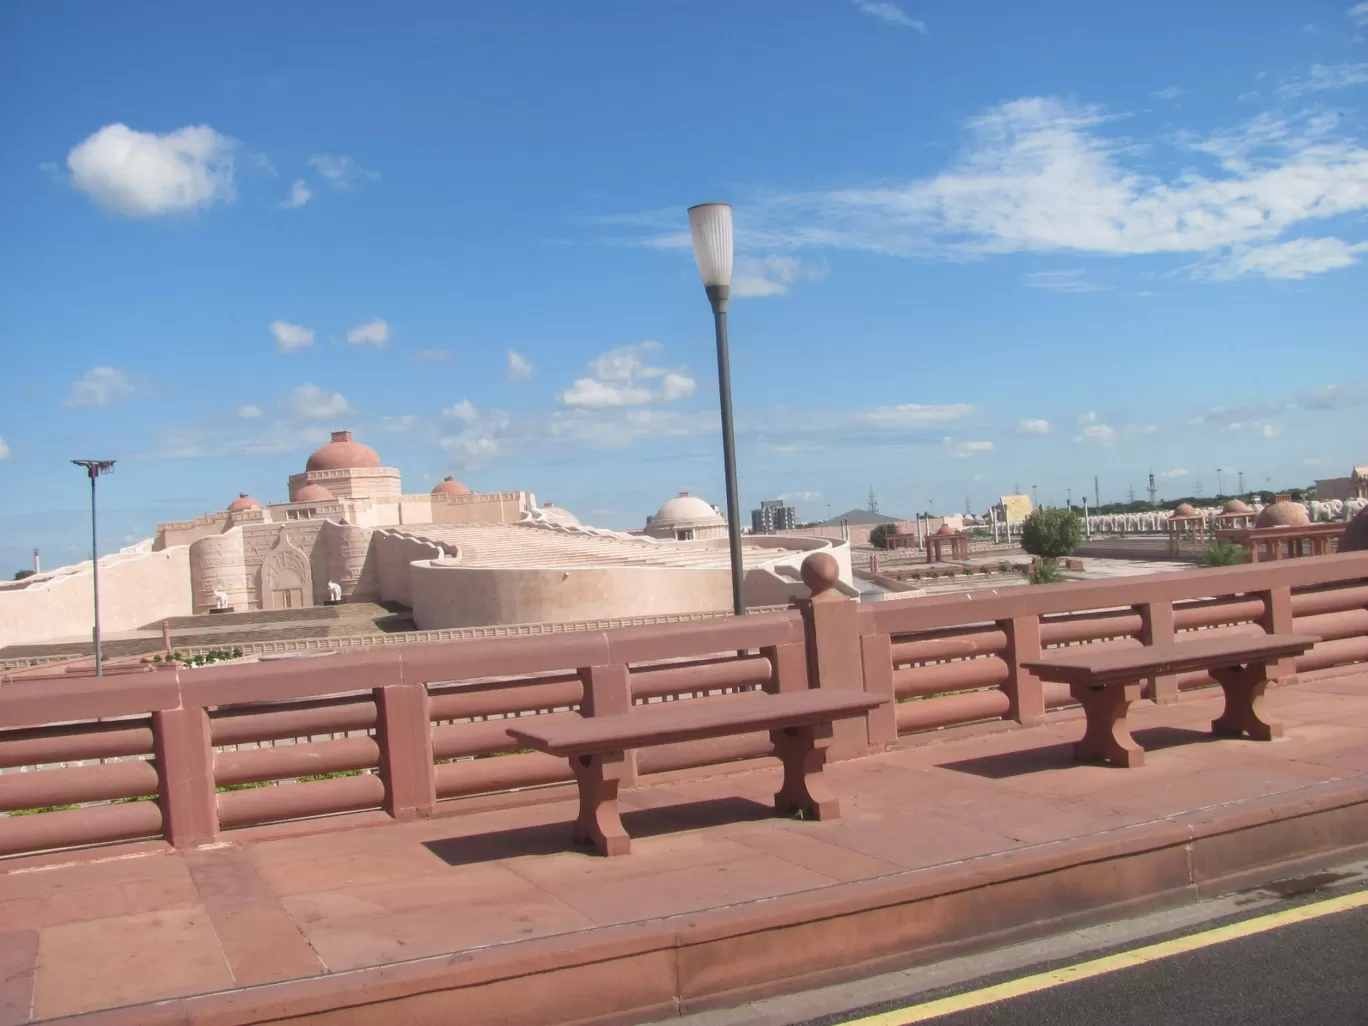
(773, 516)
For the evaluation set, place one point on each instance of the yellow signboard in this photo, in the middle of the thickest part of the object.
(1016, 507)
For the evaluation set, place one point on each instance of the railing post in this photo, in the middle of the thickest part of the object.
(1024, 689)
(832, 634)
(608, 692)
(184, 752)
(1277, 619)
(876, 658)
(1156, 628)
(788, 667)
(403, 729)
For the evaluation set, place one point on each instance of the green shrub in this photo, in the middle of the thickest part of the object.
(1051, 533)
(1223, 553)
(1046, 572)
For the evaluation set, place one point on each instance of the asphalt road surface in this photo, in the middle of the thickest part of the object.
(1309, 973)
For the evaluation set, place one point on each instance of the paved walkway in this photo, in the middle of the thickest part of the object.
(135, 923)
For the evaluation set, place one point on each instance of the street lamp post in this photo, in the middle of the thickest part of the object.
(1035, 496)
(710, 225)
(1218, 482)
(94, 468)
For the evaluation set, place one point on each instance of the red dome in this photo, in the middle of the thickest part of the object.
(311, 493)
(450, 486)
(343, 454)
(1282, 514)
(243, 502)
(1184, 510)
(946, 531)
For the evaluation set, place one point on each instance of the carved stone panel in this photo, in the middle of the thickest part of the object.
(286, 582)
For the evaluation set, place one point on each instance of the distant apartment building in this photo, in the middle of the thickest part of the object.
(773, 516)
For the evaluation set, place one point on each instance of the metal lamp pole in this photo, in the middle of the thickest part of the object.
(710, 225)
(94, 468)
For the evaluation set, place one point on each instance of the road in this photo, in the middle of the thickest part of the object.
(1298, 973)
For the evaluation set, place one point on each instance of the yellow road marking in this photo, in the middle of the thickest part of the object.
(1111, 963)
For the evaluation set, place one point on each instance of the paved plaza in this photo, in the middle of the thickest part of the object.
(126, 924)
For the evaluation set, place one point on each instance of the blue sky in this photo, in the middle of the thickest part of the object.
(979, 246)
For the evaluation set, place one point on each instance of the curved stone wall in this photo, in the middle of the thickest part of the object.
(218, 563)
(347, 547)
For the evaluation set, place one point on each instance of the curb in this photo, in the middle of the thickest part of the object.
(661, 968)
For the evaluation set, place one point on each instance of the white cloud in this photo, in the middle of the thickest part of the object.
(4, 450)
(1102, 434)
(964, 450)
(403, 423)
(519, 367)
(142, 174)
(1263, 428)
(341, 171)
(1334, 397)
(464, 410)
(594, 393)
(372, 333)
(770, 276)
(309, 402)
(1325, 76)
(1088, 418)
(300, 193)
(1063, 281)
(99, 386)
(1358, 14)
(800, 496)
(1027, 426)
(1295, 259)
(914, 415)
(1175, 473)
(891, 13)
(1045, 175)
(249, 412)
(289, 337)
(623, 377)
(1171, 93)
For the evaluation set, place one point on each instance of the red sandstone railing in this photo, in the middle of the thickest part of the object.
(190, 754)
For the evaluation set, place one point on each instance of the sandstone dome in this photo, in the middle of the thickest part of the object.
(1184, 510)
(686, 509)
(343, 454)
(1236, 506)
(1282, 514)
(450, 486)
(559, 515)
(243, 502)
(311, 493)
(1355, 537)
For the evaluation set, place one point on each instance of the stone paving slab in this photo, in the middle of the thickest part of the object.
(127, 924)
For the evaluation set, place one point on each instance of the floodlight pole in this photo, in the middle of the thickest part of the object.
(94, 468)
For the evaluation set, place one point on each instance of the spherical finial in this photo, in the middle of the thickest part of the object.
(820, 572)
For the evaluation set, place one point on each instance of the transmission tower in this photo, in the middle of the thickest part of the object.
(1097, 496)
(1132, 493)
(1197, 488)
(967, 510)
(873, 502)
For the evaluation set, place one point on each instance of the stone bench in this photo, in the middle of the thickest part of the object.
(1105, 681)
(799, 722)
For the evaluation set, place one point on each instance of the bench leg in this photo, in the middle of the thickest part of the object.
(599, 824)
(804, 753)
(1244, 703)
(1107, 736)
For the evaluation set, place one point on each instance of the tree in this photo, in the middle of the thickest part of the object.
(878, 537)
(20, 575)
(1048, 534)
(1051, 533)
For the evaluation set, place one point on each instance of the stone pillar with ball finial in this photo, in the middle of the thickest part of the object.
(833, 628)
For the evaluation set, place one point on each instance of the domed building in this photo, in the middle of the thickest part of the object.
(450, 486)
(1236, 506)
(243, 503)
(1283, 513)
(349, 470)
(686, 518)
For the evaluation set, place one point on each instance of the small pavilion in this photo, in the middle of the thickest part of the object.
(898, 539)
(1236, 514)
(958, 541)
(1282, 530)
(1185, 524)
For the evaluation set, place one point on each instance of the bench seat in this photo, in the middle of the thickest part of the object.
(1105, 680)
(799, 722)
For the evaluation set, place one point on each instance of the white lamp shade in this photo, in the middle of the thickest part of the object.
(710, 224)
